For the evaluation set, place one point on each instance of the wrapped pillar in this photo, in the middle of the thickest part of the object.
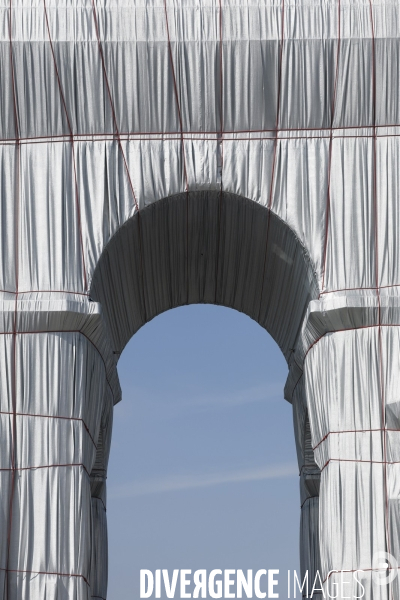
(309, 486)
(98, 476)
(53, 387)
(352, 382)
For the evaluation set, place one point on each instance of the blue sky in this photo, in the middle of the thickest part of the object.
(203, 471)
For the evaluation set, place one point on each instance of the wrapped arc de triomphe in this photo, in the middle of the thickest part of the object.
(157, 154)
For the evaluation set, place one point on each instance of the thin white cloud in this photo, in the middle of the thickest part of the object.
(253, 394)
(201, 480)
(186, 400)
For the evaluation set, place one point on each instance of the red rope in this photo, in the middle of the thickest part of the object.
(210, 132)
(271, 188)
(185, 175)
(178, 107)
(339, 331)
(116, 128)
(47, 467)
(45, 292)
(352, 431)
(47, 573)
(356, 289)
(328, 199)
(220, 141)
(357, 460)
(194, 137)
(121, 151)
(376, 240)
(307, 499)
(77, 202)
(14, 335)
(68, 331)
(19, 414)
(389, 568)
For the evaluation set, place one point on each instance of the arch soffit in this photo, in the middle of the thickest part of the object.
(205, 247)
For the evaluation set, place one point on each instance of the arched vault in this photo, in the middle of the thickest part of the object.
(205, 247)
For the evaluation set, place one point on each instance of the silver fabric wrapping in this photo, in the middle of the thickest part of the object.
(310, 476)
(60, 381)
(154, 154)
(352, 382)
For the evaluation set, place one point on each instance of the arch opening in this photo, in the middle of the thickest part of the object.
(203, 469)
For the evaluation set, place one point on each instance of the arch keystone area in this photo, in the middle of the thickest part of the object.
(159, 154)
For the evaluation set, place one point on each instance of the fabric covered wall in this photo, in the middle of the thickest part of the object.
(133, 138)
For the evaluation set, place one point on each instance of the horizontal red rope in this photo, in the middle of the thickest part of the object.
(47, 573)
(356, 289)
(339, 331)
(355, 460)
(215, 132)
(87, 295)
(191, 137)
(353, 431)
(46, 467)
(388, 568)
(307, 499)
(66, 331)
(45, 292)
(19, 414)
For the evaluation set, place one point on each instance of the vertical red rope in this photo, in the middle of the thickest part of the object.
(221, 98)
(63, 102)
(114, 117)
(14, 332)
(333, 107)
(377, 284)
(117, 133)
(220, 141)
(271, 188)
(185, 175)
(178, 106)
